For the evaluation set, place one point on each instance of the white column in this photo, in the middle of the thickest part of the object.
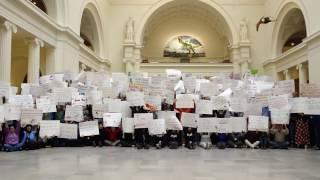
(137, 58)
(244, 67)
(6, 30)
(286, 74)
(302, 73)
(34, 60)
(235, 58)
(129, 67)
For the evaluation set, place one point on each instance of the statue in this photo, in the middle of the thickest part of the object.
(83, 68)
(244, 30)
(129, 36)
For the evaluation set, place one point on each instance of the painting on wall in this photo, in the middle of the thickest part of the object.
(184, 46)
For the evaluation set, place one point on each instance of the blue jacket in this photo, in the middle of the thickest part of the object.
(31, 137)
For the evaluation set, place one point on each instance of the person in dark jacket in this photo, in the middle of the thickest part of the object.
(190, 137)
(31, 142)
(99, 140)
(173, 139)
(236, 140)
(253, 139)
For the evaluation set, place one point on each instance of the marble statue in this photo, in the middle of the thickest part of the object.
(129, 36)
(244, 30)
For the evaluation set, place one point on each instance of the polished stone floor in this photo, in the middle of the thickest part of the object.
(130, 164)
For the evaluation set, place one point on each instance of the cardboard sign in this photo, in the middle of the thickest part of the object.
(135, 98)
(206, 125)
(141, 120)
(208, 89)
(98, 110)
(280, 116)
(31, 116)
(204, 107)
(219, 103)
(172, 123)
(189, 120)
(68, 131)
(278, 102)
(88, 128)
(12, 112)
(128, 125)
(49, 128)
(258, 123)
(157, 127)
(310, 90)
(74, 113)
(112, 119)
(239, 124)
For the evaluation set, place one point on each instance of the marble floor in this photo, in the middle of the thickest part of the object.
(130, 164)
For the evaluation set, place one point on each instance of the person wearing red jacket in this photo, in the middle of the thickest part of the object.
(113, 135)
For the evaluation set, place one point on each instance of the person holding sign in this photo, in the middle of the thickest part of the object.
(113, 135)
(280, 132)
(31, 138)
(101, 138)
(12, 140)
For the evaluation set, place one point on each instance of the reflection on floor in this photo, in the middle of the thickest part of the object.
(130, 164)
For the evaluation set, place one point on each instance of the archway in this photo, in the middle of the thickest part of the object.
(290, 29)
(202, 20)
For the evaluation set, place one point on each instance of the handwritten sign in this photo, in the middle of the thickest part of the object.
(279, 116)
(12, 112)
(310, 90)
(74, 113)
(88, 128)
(208, 89)
(239, 124)
(68, 131)
(237, 104)
(189, 120)
(79, 100)
(258, 123)
(49, 128)
(25, 101)
(141, 120)
(154, 100)
(206, 125)
(172, 123)
(44, 103)
(190, 83)
(278, 102)
(63, 95)
(94, 97)
(185, 101)
(110, 92)
(204, 107)
(31, 116)
(298, 105)
(157, 127)
(219, 103)
(98, 110)
(223, 125)
(112, 119)
(135, 98)
(128, 125)
(313, 106)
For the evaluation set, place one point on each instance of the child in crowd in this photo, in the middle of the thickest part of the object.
(113, 136)
(12, 137)
(31, 142)
(280, 133)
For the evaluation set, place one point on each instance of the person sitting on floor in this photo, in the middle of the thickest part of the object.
(190, 137)
(280, 132)
(101, 138)
(12, 137)
(221, 140)
(236, 140)
(253, 139)
(173, 139)
(113, 135)
(31, 138)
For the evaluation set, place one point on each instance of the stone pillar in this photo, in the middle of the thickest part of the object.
(34, 60)
(6, 30)
(286, 74)
(244, 67)
(129, 67)
(128, 56)
(302, 73)
(137, 58)
(235, 59)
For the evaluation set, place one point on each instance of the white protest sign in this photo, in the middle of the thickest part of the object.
(171, 83)
(280, 116)
(114, 105)
(206, 125)
(110, 92)
(239, 124)
(156, 89)
(223, 125)
(185, 101)
(284, 87)
(112, 119)
(313, 106)
(135, 98)
(88, 128)
(79, 100)
(12, 112)
(125, 109)
(154, 100)
(1, 114)
(141, 120)
(208, 89)
(25, 101)
(98, 110)
(166, 114)
(94, 97)
(169, 97)
(173, 123)
(99, 79)
(190, 83)
(5, 90)
(258, 123)
(278, 102)
(204, 107)
(68, 131)
(253, 108)
(74, 113)
(49, 128)
(189, 120)
(219, 103)
(298, 105)
(63, 95)
(44, 104)
(128, 125)
(237, 104)
(157, 127)
(31, 116)
(310, 90)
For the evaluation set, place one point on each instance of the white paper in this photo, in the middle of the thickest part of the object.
(258, 123)
(45, 104)
(313, 106)
(310, 90)
(208, 89)
(190, 83)
(5, 90)
(237, 104)
(189, 120)
(173, 123)
(169, 97)
(154, 100)
(25, 101)
(135, 98)
(112, 119)
(185, 101)
(166, 114)
(141, 120)
(298, 105)
(223, 125)
(157, 127)
(63, 95)
(68, 131)
(49, 128)
(219, 103)
(98, 110)
(206, 125)
(74, 113)
(128, 125)
(94, 97)
(115, 105)
(280, 116)
(31, 116)
(12, 112)
(204, 107)
(1, 114)
(239, 124)
(278, 102)
(79, 100)
(88, 128)
(110, 92)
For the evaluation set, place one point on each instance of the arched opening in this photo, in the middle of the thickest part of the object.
(89, 32)
(292, 30)
(195, 19)
(40, 4)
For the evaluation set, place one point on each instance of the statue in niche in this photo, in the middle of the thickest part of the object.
(244, 30)
(129, 36)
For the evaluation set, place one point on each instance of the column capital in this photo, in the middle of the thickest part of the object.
(299, 66)
(9, 26)
(35, 41)
(285, 72)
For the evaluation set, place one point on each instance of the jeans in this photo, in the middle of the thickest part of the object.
(279, 145)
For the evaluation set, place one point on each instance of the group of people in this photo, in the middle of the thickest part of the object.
(303, 131)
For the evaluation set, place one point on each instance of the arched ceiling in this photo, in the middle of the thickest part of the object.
(189, 9)
(88, 28)
(293, 23)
